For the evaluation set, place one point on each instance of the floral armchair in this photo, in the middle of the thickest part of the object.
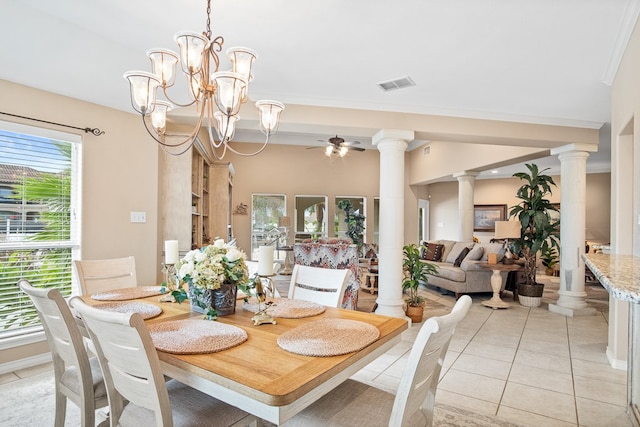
(332, 253)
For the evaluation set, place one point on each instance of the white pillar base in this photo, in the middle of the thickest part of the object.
(391, 308)
(572, 304)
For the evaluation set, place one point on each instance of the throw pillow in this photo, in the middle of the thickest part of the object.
(460, 257)
(432, 251)
(448, 246)
(455, 251)
(475, 253)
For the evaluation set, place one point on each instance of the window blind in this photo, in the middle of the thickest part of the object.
(39, 218)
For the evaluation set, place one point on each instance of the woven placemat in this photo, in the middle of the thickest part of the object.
(195, 336)
(286, 308)
(128, 293)
(147, 311)
(328, 337)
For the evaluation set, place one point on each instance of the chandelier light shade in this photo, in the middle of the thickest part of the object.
(217, 95)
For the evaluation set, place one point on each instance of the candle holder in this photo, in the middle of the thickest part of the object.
(170, 281)
(262, 292)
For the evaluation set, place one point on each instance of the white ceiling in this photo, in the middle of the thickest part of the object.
(537, 61)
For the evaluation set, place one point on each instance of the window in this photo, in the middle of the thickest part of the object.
(39, 219)
(311, 217)
(266, 210)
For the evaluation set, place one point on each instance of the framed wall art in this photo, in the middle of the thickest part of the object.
(485, 216)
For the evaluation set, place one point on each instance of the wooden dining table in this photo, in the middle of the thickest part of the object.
(260, 377)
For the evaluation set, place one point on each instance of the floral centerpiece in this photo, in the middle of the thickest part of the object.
(213, 274)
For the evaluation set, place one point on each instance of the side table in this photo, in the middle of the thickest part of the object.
(496, 283)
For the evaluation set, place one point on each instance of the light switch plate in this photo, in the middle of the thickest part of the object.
(138, 217)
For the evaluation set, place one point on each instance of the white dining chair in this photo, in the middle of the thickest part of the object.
(324, 286)
(78, 378)
(354, 404)
(102, 275)
(138, 394)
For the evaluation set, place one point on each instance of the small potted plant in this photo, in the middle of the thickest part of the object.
(416, 271)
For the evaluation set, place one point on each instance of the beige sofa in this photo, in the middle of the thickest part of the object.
(457, 265)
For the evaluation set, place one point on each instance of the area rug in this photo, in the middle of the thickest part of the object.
(39, 389)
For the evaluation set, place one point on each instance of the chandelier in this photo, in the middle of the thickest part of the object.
(217, 95)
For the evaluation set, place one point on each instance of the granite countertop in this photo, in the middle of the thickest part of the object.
(619, 274)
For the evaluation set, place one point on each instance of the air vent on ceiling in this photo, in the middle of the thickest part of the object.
(400, 83)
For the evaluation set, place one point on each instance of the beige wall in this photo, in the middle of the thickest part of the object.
(625, 184)
(625, 151)
(119, 175)
(294, 170)
(443, 203)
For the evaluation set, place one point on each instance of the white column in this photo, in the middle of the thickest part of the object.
(392, 145)
(573, 176)
(466, 184)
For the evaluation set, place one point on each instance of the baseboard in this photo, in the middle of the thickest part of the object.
(616, 363)
(27, 362)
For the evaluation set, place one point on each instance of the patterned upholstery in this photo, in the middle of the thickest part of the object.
(338, 254)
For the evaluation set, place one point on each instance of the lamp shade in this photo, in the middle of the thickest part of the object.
(507, 230)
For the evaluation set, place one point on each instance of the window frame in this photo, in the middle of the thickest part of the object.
(32, 333)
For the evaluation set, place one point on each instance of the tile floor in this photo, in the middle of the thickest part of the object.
(527, 366)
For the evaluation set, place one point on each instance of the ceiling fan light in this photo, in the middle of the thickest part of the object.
(163, 65)
(192, 47)
(269, 115)
(328, 151)
(242, 59)
(343, 151)
(143, 87)
(230, 88)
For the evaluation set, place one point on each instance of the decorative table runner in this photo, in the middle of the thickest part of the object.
(147, 311)
(328, 337)
(128, 293)
(195, 336)
(286, 308)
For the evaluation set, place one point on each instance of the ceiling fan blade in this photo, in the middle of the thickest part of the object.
(356, 149)
(350, 143)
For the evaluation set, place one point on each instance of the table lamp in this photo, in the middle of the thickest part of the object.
(507, 230)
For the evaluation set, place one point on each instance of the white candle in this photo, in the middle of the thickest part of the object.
(170, 251)
(265, 261)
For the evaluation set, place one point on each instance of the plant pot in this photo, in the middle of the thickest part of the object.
(530, 295)
(415, 313)
(223, 300)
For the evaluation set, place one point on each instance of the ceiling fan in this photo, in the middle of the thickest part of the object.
(338, 146)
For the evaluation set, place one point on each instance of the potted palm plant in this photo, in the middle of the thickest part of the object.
(538, 229)
(355, 223)
(415, 271)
